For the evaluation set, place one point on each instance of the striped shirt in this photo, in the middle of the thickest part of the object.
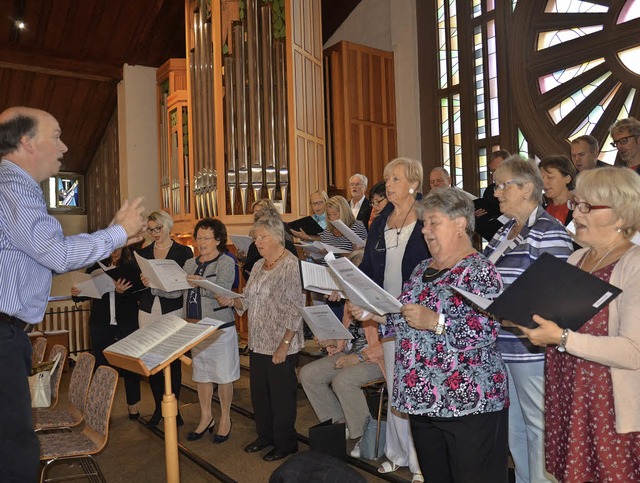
(542, 234)
(33, 246)
(342, 241)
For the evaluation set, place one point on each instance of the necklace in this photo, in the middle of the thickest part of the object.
(600, 261)
(268, 265)
(398, 230)
(163, 248)
(431, 272)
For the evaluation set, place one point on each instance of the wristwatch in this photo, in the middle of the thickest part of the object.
(562, 347)
(360, 356)
(439, 328)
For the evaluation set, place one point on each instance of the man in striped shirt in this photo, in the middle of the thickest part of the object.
(32, 248)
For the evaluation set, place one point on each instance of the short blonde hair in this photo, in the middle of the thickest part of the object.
(618, 188)
(321, 193)
(162, 218)
(412, 170)
(263, 203)
(341, 205)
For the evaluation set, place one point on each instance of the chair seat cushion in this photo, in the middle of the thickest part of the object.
(57, 445)
(54, 419)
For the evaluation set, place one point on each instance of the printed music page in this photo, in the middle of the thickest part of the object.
(165, 275)
(318, 279)
(323, 323)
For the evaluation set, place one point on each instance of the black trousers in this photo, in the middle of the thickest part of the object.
(274, 389)
(102, 336)
(19, 448)
(468, 449)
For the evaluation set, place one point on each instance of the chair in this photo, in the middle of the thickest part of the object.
(56, 377)
(374, 393)
(72, 413)
(39, 348)
(82, 444)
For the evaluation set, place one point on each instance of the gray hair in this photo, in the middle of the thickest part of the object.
(453, 202)
(270, 220)
(363, 178)
(523, 171)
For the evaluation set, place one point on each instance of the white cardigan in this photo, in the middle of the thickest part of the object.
(620, 350)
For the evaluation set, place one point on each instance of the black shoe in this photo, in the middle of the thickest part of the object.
(155, 419)
(134, 416)
(277, 454)
(179, 420)
(196, 436)
(218, 438)
(257, 445)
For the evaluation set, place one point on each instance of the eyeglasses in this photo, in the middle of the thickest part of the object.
(317, 203)
(503, 186)
(377, 202)
(260, 237)
(583, 206)
(381, 242)
(205, 238)
(622, 141)
(154, 231)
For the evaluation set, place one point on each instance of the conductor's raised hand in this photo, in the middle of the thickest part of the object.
(129, 217)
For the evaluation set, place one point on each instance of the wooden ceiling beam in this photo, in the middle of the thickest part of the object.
(62, 67)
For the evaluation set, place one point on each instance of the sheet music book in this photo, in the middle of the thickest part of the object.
(131, 273)
(323, 323)
(308, 224)
(360, 289)
(349, 234)
(320, 248)
(159, 341)
(165, 275)
(241, 242)
(317, 278)
(553, 289)
(217, 289)
(94, 284)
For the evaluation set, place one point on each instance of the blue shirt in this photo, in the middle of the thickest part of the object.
(542, 234)
(33, 246)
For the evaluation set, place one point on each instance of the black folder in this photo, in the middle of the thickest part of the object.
(308, 224)
(129, 272)
(554, 290)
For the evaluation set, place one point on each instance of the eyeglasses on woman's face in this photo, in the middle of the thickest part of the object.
(154, 231)
(378, 201)
(201, 239)
(505, 185)
(317, 203)
(583, 206)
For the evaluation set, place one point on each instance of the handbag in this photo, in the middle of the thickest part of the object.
(40, 383)
(373, 440)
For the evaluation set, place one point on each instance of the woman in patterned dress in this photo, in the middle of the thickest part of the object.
(592, 380)
(448, 375)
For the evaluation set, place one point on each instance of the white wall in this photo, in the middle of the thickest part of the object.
(138, 136)
(391, 25)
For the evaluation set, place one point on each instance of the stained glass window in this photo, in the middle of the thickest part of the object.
(523, 145)
(550, 81)
(631, 58)
(630, 11)
(555, 37)
(561, 110)
(573, 6)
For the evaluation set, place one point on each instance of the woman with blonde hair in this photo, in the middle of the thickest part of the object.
(338, 209)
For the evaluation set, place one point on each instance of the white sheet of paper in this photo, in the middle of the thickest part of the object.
(242, 242)
(94, 284)
(323, 323)
(349, 234)
(145, 338)
(361, 290)
(317, 249)
(165, 275)
(317, 278)
(217, 289)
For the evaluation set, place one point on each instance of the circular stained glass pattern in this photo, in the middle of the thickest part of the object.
(577, 65)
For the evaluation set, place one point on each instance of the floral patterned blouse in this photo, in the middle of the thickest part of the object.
(461, 371)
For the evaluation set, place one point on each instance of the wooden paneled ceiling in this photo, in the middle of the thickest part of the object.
(68, 60)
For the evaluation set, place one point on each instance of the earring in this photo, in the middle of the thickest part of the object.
(525, 197)
(411, 191)
(619, 230)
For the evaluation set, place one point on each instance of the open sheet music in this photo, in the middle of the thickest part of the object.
(317, 278)
(217, 289)
(159, 341)
(317, 249)
(360, 289)
(165, 275)
(94, 284)
(131, 273)
(349, 234)
(323, 323)
(241, 242)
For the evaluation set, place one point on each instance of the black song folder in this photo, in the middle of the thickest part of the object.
(552, 289)
(308, 224)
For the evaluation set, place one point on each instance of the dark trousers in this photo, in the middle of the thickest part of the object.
(462, 450)
(102, 336)
(19, 448)
(274, 389)
(157, 383)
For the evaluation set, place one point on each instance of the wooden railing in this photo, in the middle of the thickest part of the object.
(71, 317)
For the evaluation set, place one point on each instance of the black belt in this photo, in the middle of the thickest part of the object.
(227, 325)
(16, 322)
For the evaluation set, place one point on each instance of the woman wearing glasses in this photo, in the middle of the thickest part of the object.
(529, 233)
(216, 359)
(318, 202)
(154, 302)
(394, 247)
(592, 385)
(378, 197)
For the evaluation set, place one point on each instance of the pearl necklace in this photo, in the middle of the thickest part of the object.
(156, 246)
